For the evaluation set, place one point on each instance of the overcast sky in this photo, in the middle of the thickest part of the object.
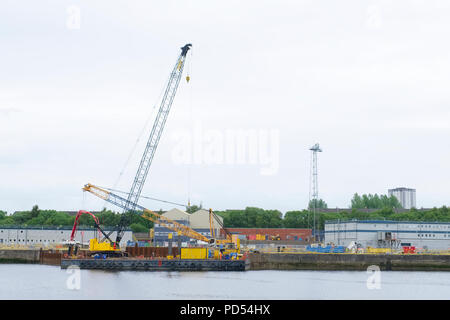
(368, 80)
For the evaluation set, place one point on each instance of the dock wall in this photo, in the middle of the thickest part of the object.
(305, 261)
(275, 261)
(19, 256)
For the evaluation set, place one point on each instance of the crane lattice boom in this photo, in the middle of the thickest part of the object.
(146, 213)
(153, 140)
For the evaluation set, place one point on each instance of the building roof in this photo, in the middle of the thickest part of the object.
(176, 214)
(200, 220)
(402, 189)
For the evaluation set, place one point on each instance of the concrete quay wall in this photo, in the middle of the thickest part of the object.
(306, 261)
(19, 256)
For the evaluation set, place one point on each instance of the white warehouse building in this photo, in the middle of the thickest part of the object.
(389, 234)
(43, 236)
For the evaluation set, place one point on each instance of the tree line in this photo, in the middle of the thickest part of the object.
(250, 217)
(369, 201)
(304, 218)
(37, 217)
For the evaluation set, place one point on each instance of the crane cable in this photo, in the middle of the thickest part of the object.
(151, 115)
(190, 122)
(145, 197)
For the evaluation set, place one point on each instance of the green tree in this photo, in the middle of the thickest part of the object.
(21, 217)
(317, 203)
(357, 201)
(369, 201)
(137, 227)
(5, 220)
(296, 219)
(107, 218)
(35, 211)
(193, 208)
(58, 219)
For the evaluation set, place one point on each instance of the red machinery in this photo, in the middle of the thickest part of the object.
(72, 242)
(409, 249)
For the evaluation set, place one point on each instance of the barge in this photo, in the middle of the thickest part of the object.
(158, 264)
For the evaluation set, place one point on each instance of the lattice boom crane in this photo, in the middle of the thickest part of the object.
(146, 213)
(155, 135)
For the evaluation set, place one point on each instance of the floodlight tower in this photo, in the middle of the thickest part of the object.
(314, 185)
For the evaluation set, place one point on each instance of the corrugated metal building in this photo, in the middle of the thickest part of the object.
(51, 235)
(389, 234)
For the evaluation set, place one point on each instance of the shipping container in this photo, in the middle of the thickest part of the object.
(194, 253)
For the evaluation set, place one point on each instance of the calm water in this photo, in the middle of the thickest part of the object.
(48, 282)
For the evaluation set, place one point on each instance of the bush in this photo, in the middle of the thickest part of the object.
(137, 227)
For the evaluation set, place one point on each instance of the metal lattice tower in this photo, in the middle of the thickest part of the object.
(314, 184)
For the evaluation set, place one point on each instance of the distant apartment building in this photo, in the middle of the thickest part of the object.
(406, 196)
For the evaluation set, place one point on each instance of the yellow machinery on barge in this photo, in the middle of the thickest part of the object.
(228, 247)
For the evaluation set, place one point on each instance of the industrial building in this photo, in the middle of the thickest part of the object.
(389, 234)
(45, 236)
(406, 196)
(199, 221)
(286, 234)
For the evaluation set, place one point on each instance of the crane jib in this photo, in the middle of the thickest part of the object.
(153, 140)
(145, 213)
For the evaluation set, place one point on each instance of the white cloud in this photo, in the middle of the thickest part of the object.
(375, 98)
